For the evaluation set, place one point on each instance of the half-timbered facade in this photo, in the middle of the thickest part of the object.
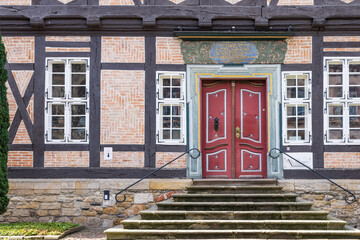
(112, 88)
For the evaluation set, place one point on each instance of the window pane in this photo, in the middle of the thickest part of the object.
(176, 82)
(301, 81)
(166, 82)
(176, 122)
(166, 110)
(354, 79)
(78, 109)
(175, 134)
(355, 134)
(291, 111)
(176, 110)
(301, 92)
(78, 92)
(355, 122)
(78, 134)
(166, 92)
(335, 110)
(78, 67)
(335, 122)
(58, 92)
(335, 67)
(291, 122)
(166, 122)
(335, 92)
(166, 134)
(301, 111)
(301, 135)
(354, 110)
(78, 121)
(354, 92)
(335, 79)
(57, 109)
(291, 81)
(58, 67)
(354, 67)
(57, 134)
(301, 122)
(176, 93)
(291, 93)
(58, 79)
(335, 134)
(78, 79)
(57, 122)
(291, 135)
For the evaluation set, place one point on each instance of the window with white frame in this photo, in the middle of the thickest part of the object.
(342, 100)
(296, 105)
(170, 110)
(67, 100)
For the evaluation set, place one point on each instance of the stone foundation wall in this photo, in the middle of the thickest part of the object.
(82, 200)
(328, 197)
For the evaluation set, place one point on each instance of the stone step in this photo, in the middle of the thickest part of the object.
(234, 197)
(234, 189)
(236, 224)
(234, 215)
(235, 206)
(119, 233)
(234, 182)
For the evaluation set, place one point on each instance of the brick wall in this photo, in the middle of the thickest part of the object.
(342, 160)
(123, 49)
(299, 50)
(123, 159)
(117, 2)
(20, 159)
(67, 159)
(165, 157)
(296, 2)
(19, 49)
(122, 107)
(67, 39)
(15, 2)
(342, 39)
(64, 49)
(168, 51)
(11, 102)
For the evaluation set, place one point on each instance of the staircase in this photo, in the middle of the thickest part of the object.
(229, 209)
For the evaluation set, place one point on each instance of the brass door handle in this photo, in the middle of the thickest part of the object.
(237, 132)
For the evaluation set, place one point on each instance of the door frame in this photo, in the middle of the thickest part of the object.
(272, 74)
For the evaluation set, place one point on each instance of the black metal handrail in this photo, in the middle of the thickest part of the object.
(156, 170)
(350, 198)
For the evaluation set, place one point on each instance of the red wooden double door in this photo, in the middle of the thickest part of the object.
(234, 128)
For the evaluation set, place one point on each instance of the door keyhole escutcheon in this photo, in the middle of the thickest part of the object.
(216, 124)
(237, 132)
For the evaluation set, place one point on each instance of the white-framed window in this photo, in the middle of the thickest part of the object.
(170, 108)
(342, 100)
(67, 100)
(296, 108)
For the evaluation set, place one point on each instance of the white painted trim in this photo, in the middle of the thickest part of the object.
(242, 161)
(242, 114)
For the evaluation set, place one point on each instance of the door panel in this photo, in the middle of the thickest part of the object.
(233, 129)
(250, 112)
(216, 114)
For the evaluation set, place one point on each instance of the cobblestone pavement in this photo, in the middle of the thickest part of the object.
(88, 234)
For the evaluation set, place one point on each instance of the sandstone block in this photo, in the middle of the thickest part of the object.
(70, 212)
(79, 220)
(88, 213)
(112, 210)
(46, 219)
(169, 184)
(140, 198)
(50, 206)
(42, 213)
(107, 223)
(28, 205)
(54, 212)
(134, 210)
(117, 221)
(94, 221)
